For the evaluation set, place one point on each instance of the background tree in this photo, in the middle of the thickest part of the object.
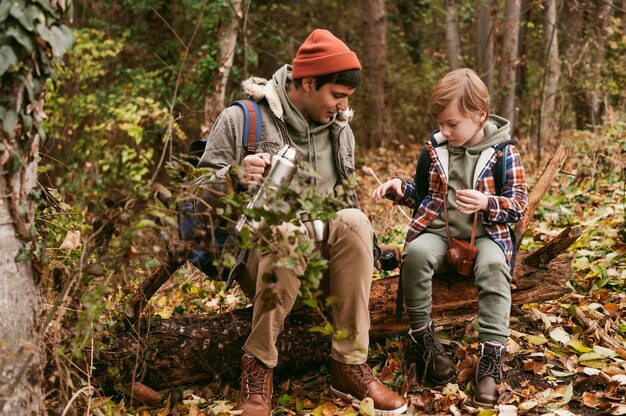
(484, 41)
(453, 43)
(547, 122)
(585, 50)
(226, 40)
(376, 122)
(509, 61)
(31, 36)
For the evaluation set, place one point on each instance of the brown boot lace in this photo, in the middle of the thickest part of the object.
(254, 379)
(429, 346)
(362, 374)
(489, 366)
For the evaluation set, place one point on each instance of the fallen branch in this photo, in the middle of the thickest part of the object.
(552, 248)
(553, 167)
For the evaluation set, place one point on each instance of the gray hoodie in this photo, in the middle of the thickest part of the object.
(463, 169)
(329, 148)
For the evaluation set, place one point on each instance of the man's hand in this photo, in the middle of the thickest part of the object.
(384, 248)
(469, 201)
(253, 168)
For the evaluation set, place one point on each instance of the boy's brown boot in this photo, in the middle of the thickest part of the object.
(488, 373)
(432, 362)
(354, 382)
(255, 397)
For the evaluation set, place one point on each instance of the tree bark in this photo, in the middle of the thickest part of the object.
(584, 43)
(547, 121)
(484, 41)
(453, 42)
(227, 41)
(410, 13)
(20, 362)
(508, 66)
(192, 349)
(374, 58)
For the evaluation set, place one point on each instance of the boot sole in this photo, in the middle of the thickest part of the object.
(484, 405)
(356, 402)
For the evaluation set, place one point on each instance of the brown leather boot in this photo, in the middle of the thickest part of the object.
(353, 383)
(488, 373)
(255, 398)
(432, 362)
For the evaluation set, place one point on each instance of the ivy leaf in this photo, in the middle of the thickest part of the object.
(9, 122)
(21, 36)
(31, 14)
(17, 8)
(7, 58)
(59, 38)
(5, 6)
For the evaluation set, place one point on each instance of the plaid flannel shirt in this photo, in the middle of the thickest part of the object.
(508, 207)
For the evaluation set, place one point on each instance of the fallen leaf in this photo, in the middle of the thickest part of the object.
(71, 240)
(558, 334)
(366, 407)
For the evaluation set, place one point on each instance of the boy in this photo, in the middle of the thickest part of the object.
(461, 184)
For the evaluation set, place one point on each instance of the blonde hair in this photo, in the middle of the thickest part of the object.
(463, 85)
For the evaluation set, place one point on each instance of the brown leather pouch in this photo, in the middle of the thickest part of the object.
(461, 255)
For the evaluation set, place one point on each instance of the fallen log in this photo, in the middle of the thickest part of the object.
(195, 349)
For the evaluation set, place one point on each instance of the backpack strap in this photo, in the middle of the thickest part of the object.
(422, 170)
(252, 129)
(499, 168)
(251, 124)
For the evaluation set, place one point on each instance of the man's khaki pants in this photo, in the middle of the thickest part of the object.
(348, 250)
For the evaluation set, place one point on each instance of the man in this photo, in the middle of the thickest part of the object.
(305, 105)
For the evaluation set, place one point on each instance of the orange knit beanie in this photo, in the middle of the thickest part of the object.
(323, 54)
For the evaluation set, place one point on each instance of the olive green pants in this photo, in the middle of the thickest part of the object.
(425, 256)
(274, 289)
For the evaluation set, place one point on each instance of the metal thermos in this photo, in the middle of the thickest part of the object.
(281, 172)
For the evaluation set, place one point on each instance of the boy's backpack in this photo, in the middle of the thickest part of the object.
(422, 169)
(190, 222)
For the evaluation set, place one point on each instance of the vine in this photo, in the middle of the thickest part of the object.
(32, 35)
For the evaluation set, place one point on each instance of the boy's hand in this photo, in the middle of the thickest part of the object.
(253, 168)
(391, 187)
(469, 201)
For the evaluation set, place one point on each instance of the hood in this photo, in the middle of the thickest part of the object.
(497, 130)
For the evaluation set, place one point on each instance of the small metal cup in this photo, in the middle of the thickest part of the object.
(316, 228)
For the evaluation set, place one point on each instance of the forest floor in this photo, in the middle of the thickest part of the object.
(556, 363)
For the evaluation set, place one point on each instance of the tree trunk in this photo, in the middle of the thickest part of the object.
(376, 124)
(227, 41)
(410, 13)
(547, 121)
(20, 365)
(508, 66)
(453, 43)
(584, 41)
(484, 41)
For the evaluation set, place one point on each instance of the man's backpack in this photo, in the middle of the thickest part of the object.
(192, 227)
